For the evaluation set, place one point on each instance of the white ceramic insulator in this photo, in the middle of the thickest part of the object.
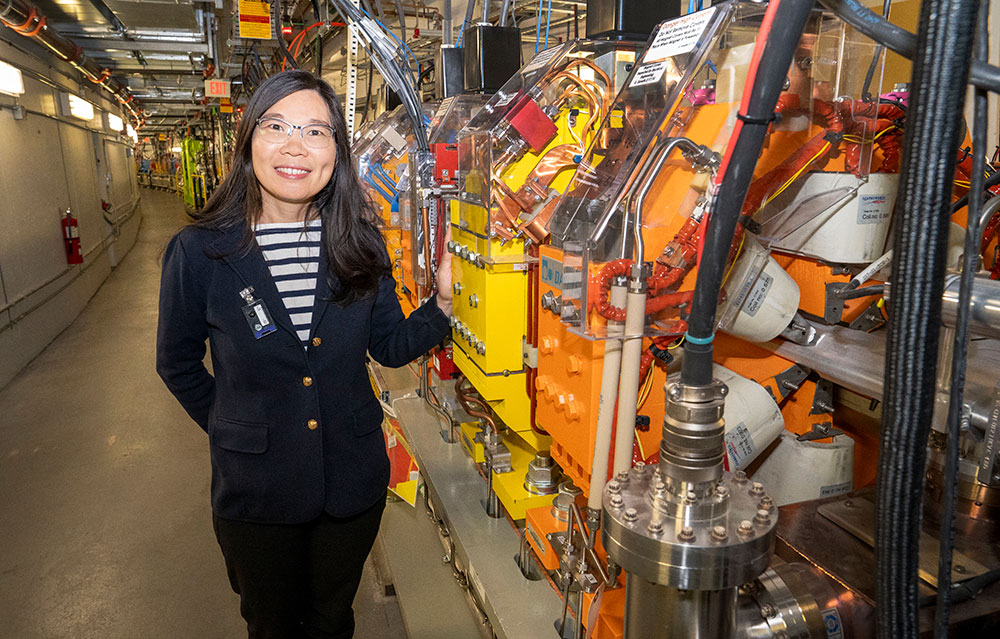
(628, 384)
(606, 404)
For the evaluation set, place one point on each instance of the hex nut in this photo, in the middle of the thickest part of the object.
(655, 527)
(631, 514)
(745, 528)
(766, 502)
(740, 477)
(617, 501)
(721, 491)
(757, 489)
(686, 534)
(762, 517)
(690, 498)
(614, 487)
(719, 533)
(622, 476)
(768, 610)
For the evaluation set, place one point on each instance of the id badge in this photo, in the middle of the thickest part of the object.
(257, 316)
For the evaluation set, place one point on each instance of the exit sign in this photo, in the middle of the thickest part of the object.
(216, 88)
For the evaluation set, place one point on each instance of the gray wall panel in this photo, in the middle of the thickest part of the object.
(34, 185)
(84, 187)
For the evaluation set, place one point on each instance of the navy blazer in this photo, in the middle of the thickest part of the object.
(292, 431)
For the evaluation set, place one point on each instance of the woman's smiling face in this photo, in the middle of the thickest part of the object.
(290, 172)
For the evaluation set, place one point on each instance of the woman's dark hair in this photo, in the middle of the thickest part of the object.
(354, 246)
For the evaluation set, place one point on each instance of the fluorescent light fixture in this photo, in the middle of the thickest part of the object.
(11, 82)
(115, 123)
(76, 107)
(131, 133)
(175, 149)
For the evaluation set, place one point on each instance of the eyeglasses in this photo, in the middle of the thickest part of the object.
(275, 131)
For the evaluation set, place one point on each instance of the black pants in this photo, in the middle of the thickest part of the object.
(298, 581)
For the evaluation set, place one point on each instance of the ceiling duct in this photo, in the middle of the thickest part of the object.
(25, 18)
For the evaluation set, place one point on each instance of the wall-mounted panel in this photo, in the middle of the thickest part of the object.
(82, 178)
(34, 185)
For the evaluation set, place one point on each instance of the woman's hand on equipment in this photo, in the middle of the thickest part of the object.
(444, 278)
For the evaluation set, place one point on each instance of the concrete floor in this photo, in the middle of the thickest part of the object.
(106, 524)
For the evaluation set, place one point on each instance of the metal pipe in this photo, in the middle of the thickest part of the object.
(503, 13)
(988, 212)
(486, 12)
(665, 147)
(652, 610)
(984, 305)
(26, 19)
(611, 368)
(446, 27)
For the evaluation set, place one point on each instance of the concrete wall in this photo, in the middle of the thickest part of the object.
(48, 163)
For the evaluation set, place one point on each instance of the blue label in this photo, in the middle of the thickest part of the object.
(551, 272)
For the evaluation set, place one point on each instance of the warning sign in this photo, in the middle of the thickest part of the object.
(253, 20)
(678, 36)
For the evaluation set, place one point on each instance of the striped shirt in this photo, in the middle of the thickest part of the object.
(292, 255)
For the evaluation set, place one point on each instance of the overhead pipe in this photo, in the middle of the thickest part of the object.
(934, 130)
(25, 18)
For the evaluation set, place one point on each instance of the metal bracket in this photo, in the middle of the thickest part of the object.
(823, 406)
(870, 320)
(820, 431)
(788, 381)
(801, 331)
(833, 308)
(822, 398)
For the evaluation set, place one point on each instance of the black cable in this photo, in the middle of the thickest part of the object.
(319, 42)
(960, 345)
(962, 201)
(933, 131)
(767, 84)
(276, 20)
(900, 40)
(864, 291)
(879, 49)
(966, 590)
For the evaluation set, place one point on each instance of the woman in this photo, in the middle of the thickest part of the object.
(285, 274)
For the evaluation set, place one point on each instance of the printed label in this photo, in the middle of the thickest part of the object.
(873, 209)
(757, 294)
(831, 621)
(739, 446)
(648, 74)
(541, 60)
(551, 272)
(835, 489)
(261, 315)
(678, 36)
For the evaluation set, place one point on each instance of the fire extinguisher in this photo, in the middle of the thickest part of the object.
(71, 236)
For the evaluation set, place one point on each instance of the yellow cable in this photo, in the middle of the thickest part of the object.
(788, 182)
(681, 340)
(736, 257)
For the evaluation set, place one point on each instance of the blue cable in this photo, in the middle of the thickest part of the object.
(538, 27)
(386, 196)
(461, 33)
(548, 19)
(381, 174)
(691, 5)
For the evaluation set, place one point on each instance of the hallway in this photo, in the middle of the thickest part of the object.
(104, 481)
